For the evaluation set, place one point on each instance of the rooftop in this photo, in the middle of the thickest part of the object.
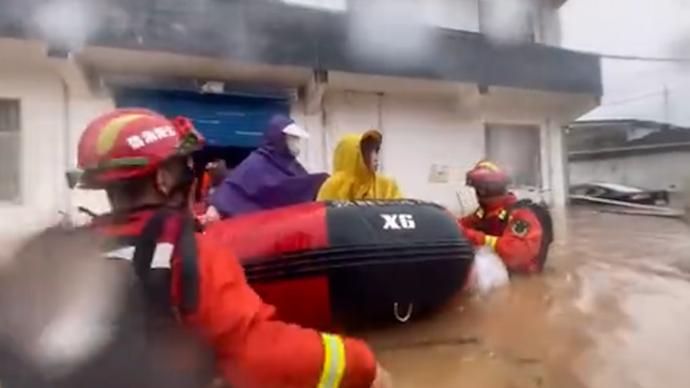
(608, 123)
(612, 138)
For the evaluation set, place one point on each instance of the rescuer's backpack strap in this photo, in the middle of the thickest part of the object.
(156, 280)
(174, 356)
(541, 212)
(187, 250)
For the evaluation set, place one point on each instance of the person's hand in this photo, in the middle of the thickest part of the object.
(211, 215)
(383, 378)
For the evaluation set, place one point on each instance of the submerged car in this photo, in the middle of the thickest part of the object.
(623, 193)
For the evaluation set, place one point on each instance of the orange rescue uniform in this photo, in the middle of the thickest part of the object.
(253, 350)
(515, 234)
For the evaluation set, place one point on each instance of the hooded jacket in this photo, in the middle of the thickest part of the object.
(352, 179)
(270, 177)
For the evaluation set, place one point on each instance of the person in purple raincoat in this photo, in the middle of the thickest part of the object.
(271, 176)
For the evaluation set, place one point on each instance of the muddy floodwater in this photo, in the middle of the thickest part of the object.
(612, 310)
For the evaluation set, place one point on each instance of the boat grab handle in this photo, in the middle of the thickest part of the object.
(408, 314)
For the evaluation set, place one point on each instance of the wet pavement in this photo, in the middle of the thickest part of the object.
(612, 310)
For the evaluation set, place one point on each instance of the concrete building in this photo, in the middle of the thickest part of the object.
(645, 154)
(426, 74)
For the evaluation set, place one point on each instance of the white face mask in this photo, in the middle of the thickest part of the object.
(294, 144)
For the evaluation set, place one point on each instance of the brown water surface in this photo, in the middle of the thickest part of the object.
(612, 310)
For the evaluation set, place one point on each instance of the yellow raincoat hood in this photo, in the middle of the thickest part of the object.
(352, 179)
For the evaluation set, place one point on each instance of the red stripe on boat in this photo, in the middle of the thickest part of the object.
(305, 300)
(257, 236)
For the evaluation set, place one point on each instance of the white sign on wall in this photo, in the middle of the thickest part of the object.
(439, 173)
(444, 173)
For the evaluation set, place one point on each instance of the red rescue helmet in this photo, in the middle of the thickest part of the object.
(487, 178)
(130, 143)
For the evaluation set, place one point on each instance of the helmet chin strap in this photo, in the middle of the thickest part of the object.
(178, 195)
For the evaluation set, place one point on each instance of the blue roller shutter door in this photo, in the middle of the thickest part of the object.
(225, 121)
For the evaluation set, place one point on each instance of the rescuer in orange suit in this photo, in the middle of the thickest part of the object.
(142, 160)
(520, 232)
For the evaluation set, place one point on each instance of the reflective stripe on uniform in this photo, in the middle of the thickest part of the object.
(333, 361)
(490, 241)
(503, 215)
(162, 255)
(488, 165)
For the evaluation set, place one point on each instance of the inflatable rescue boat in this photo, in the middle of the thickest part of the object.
(326, 264)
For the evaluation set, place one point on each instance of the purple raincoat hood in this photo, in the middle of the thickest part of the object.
(270, 177)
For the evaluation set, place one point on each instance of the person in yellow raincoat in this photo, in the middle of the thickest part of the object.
(355, 163)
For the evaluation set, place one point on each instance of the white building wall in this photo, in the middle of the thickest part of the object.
(554, 163)
(668, 170)
(418, 133)
(55, 107)
(350, 112)
(427, 133)
(421, 134)
(439, 129)
(83, 109)
(40, 93)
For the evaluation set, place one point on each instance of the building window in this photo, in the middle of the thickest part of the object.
(455, 15)
(517, 149)
(509, 20)
(9, 150)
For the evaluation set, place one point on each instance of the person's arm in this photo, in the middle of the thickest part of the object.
(219, 199)
(521, 241)
(254, 350)
(285, 191)
(519, 244)
(469, 225)
(329, 191)
(479, 238)
(471, 221)
(394, 192)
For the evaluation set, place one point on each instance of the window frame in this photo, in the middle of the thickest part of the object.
(533, 21)
(537, 135)
(16, 133)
